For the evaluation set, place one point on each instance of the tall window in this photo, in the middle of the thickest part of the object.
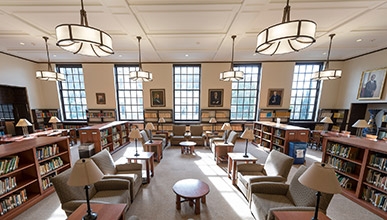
(305, 92)
(186, 92)
(6, 111)
(73, 93)
(244, 93)
(129, 94)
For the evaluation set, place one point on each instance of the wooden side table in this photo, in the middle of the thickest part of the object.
(187, 147)
(166, 133)
(149, 162)
(299, 215)
(233, 158)
(159, 148)
(191, 190)
(104, 211)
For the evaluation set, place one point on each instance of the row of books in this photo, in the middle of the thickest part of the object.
(8, 164)
(50, 165)
(344, 181)
(47, 151)
(40, 114)
(7, 184)
(344, 166)
(46, 183)
(12, 201)
(377, 179)
(343, 151)
(379, 161)
(100, 115)
(375, 197)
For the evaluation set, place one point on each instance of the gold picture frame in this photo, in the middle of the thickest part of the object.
(157, 97)
(215, 98)
(372, 84)
(101, 98)
(274, 97)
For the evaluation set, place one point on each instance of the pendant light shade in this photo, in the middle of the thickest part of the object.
(287, 36)
(49, 74)
(327, 73)
(140, 75)
(83, 39)
(231, 75)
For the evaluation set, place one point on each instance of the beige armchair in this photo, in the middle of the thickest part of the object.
(267, 197)
(197, 134)
(276, 169)
(113, 191)
(177, 136)
(158, 137)
(220, 149)
(127, 171)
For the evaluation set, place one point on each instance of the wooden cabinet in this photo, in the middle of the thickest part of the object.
(111, 136)
(42, 116)
(338, 116)
(26, 168)
(221, 115)
(154, 115)
(98, 116)
(277, 137)
(273, 114)
(361, 168)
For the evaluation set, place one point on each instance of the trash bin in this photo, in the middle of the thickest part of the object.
(297, 150)
(86, 150)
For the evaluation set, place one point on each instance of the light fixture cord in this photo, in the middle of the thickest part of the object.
(232, 53)
(48, 55)
(139, 52)
(286, 15)
(83, 15)
(329, 51)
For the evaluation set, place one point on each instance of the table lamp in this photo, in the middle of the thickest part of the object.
(84, 173)
(226, 127)
(135, 134)
(322, 178)
(248, 135)
(149, 126)
(326, 121)
(360, 125)
(24, 123)
(53, 120)
(162, 121)
(213, 122)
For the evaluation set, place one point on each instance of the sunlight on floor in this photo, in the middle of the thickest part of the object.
(315, 158)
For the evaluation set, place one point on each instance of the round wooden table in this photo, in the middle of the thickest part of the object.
(191, 190)
(187, 147)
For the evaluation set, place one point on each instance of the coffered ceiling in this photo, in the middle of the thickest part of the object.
(191, 30)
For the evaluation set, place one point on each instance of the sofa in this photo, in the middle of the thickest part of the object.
(178, 135)
(197, 134)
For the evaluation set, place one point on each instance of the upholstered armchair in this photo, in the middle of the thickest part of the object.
(127, 171)
(177, 136)
(267, 197)
(276, 169)
(197, 134)
(158, 137)
(220, 149)
(217, 139)
(113, 191)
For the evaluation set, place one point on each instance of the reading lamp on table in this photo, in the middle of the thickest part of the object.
(53, 120)
(248, 135)
(84, 173)
(135, 134)
(149, 126)
(226, 127)
(326, 121)
(24, 123)
(360, 125)
(213, 122)
(162, 121)
(322, 178)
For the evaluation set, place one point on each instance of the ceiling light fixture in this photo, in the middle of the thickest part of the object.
(140, 75)
(231, 75)
(49, 74)
(83, 39)
(287, 36)
(327, 74)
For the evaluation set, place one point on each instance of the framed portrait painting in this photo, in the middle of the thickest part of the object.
(157, 97)
(371, 84)
(215, 98)
(101, 99)
(274, 97)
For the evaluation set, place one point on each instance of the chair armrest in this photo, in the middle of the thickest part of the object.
(248, 167)
(270, 215)
(277, 188)
(159, 135)
(129, 166)
(222, 144)
(112, 184)
(267, 179)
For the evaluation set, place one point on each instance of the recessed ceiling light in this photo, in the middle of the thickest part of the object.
(54, 55)
(120, 55)
(359, 40)
(22, 43)
(186, 55)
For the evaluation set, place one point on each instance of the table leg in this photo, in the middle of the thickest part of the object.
(182, 149)
(234, 164)
(152, 165)
(147, 171)
(203, 199)
(229, 167)
(192, 149)
(197, 206)
(178, 204)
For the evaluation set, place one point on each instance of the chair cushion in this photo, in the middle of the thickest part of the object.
(105, 162)
(196, 130)
(278, 164)
(264, 202)
(62, 188)
(246, 176)
(178, 130)
(144, 136)
(112, 196)
(300, 194)
(232, 137)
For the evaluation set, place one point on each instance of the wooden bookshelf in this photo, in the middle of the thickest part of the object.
(98, 116)
(154, 115)
(338, 116)
(361, 168)
(111, 136)
(42, 116)
(221, 115)
(273, 114)
(26, 169)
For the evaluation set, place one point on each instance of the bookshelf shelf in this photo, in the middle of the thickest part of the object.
(154, 115)
(273, 114)
(98, 116)
(338, 116)
(42, 116)
(221, 115)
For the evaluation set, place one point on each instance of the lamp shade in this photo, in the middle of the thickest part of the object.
(231, 75)
(361, 123)
(23, 123)
(135, 133)
(84, 172)
(54, 119)
(140, 75)
(226, 127)
(248, 134)
(321, 177)
(49, 74)
(212, 120)
(327, 120)
(161, 120)
(149, 126)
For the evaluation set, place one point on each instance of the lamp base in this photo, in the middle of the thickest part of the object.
(245, 155)
(91, 216)
(136, 154)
